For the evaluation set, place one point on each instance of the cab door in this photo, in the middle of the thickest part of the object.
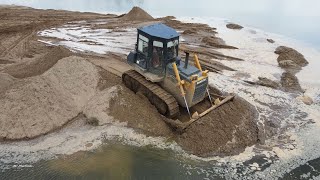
(143, 51)
(157, 58)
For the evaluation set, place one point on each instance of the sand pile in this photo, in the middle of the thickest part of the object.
(262, 81)
(227, 130)
(99, 105)
(118, 103)
(190, 31)
(291, 61)
(37, 105)
(37, 66)
(289, 54)
(271, 41)
(234, 26)
(137, 14)
(137, 112)
(216, 42)
(290, 82)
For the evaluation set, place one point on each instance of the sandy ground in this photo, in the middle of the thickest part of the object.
(47, 79)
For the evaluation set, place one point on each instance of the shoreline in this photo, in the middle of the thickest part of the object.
(220, 79)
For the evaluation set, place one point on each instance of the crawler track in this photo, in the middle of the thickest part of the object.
(161, 99)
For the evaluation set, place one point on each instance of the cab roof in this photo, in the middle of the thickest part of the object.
(160, 30)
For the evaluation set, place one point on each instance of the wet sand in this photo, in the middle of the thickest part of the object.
(24, 60)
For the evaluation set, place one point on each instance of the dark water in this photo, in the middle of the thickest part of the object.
(309, 170)
(114, 161)
(298, 19)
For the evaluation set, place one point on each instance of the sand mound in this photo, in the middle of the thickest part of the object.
(38, 65)
(271, 41)
(267, 82)
(216, 42)
(234, 26)
(306, 99)
(290, 82)
(137, 111)
(117, 103)
(262, 81)
(137, 14)
(227, 130)
(286, 53)
(98, 106)
(40, 104)
(291, 61)
(190, 31)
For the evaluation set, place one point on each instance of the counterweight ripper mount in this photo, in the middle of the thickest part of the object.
(168, 82)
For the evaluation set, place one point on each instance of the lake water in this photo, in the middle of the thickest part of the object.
(113, 160)
(298, 19)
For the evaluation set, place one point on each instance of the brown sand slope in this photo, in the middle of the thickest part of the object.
(226, 130)
(37, 105)
(138, 112)
(37, 66)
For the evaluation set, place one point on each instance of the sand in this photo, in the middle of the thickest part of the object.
(291, 61)
(37, 66)
(290, 82)
(216, 42)
(37, 105)
(227, 130)
(221, 132)
(262, 81)
(137, 14)
(286, 53)
(5, 81)
(234, 26)
(45, 87)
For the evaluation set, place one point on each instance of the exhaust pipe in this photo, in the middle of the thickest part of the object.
(186, 62)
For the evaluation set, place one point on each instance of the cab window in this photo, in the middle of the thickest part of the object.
(172, 48)
(143, 44)
(157, 55)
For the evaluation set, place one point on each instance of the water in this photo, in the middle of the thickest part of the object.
(298, 19)
(117, 161)
(113, 160)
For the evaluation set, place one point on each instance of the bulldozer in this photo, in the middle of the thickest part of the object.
(169, 82)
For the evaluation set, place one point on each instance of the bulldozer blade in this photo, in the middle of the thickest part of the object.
(213, 107)
(181, 126)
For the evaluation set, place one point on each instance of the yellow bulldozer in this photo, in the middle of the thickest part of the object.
(169, 82)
